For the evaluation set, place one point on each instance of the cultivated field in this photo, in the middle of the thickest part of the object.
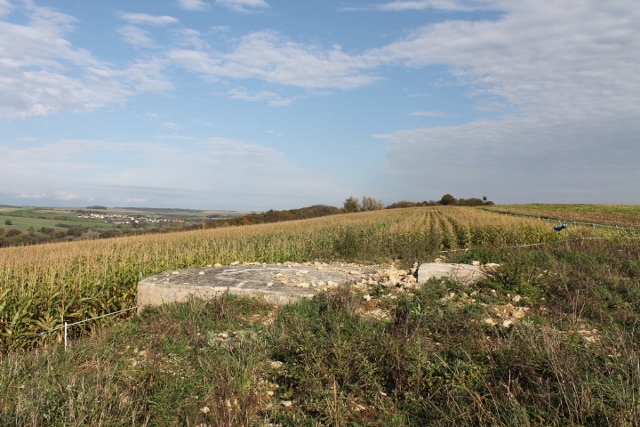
(621, 215)
(41, 287)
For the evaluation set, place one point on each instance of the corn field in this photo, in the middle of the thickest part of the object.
(41, 287)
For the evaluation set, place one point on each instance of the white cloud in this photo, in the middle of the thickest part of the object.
(428, 114)
(268, 57)
(191, 39)
(57, 195)
(40, 93)
(145, 76)
(5, 8)
(176, 137)
(539, 54)
(143, 18)
(217, 172)
(458, 5)
(244, 6)
(171, 125)
(569, 75)
(272, 98)
(192, 4)
(523, 159)
(41, 72)
(136, 36)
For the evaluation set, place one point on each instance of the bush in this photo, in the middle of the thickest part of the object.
(371, 204)
(448, 199)
(13, 232)
(352, 205)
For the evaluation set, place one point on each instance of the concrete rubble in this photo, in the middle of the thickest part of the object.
(283, 283)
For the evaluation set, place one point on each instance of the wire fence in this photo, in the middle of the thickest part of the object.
(67, 325)
(540, 244)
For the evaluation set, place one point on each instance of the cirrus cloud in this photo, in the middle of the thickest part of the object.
(267, 56)
(244, 6)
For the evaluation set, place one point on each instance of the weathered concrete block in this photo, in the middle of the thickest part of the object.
(277, 284)
(463, 273)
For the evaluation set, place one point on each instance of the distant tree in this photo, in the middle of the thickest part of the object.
(8, 222)
(474, 201)
(13, 232)
(484, 198)
(108, 233)
(352, 205)
(403, 204)
(448, 199)
(89, 235)
(371, 204)
(59, 234)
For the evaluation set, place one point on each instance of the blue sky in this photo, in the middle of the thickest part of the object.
(261, 104)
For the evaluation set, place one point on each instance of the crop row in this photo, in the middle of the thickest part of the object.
(41, 287)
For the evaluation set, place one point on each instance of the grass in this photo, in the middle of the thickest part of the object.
(572, 359)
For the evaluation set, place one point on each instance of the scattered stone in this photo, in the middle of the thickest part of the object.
(358, 407)
(287, 403)
(234, 263)
(463, 273)
(490, 321)
(490, 267)
(520, 312)
(276, 364)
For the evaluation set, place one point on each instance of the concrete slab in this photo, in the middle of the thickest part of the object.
(284, 283)
(463, 273)
(278, 284)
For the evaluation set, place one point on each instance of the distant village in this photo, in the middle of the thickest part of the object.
(121, 219)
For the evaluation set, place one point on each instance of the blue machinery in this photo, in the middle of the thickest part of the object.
(560, 227)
